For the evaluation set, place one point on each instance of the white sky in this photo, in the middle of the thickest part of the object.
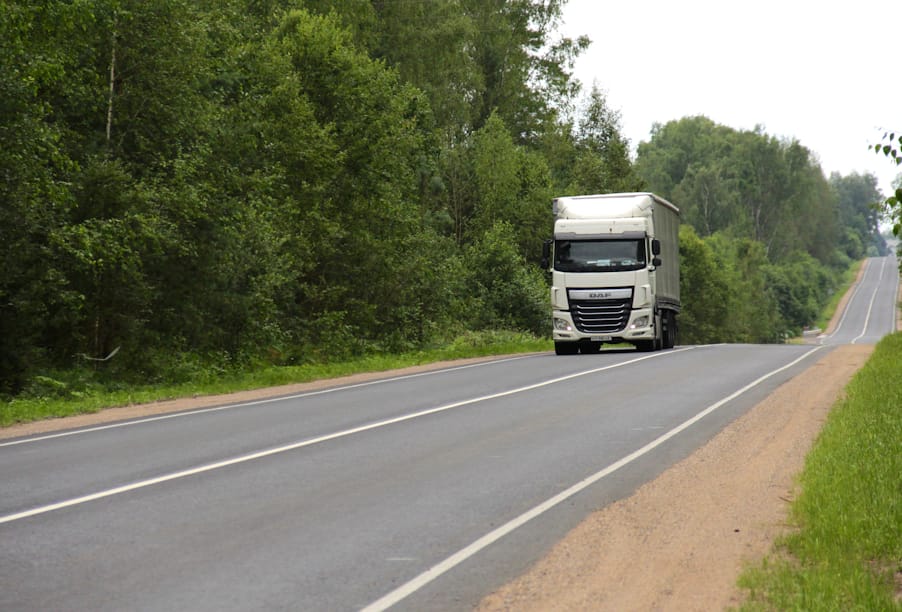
(828, 74)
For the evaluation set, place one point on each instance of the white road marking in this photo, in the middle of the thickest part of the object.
(462, 555)
(867, 318)
(846, 310)
(296, 445)
(279, 398)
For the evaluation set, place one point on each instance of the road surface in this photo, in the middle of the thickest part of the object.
(419, 492)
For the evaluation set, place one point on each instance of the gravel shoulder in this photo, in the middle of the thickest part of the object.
(681, 541)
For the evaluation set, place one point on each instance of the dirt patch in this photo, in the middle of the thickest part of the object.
(680, 541)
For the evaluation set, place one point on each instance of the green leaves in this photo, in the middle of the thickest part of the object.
(775, 227)
(505, 293)
(892, 206)
(890, 149)
(745, 182)
(224, 181)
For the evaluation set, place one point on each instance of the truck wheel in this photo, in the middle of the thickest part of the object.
(566, 348)
(669, 330)
(648, 346)
(659, 332)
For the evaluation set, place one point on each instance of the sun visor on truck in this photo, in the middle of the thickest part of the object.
(582, 236)
(588, 229)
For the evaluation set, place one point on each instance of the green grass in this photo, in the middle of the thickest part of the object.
(62, 402)
(847, 542)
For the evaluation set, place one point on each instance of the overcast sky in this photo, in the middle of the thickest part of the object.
(820, 72)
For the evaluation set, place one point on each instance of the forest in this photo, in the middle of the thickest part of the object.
(196, 184)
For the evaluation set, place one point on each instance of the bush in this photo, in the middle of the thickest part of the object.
(507, 293)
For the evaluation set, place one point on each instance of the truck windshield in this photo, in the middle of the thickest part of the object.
(598, 255)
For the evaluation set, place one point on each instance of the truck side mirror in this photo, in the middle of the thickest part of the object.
(546, 253)
(656, 250)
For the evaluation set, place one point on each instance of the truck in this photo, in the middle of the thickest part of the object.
(615, 272)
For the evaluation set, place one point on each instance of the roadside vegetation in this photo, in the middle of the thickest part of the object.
(197, 191)
(845, 552)
(80, 392)
(847, 280)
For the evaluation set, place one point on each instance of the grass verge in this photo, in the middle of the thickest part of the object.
(96, 398)
(845, 552)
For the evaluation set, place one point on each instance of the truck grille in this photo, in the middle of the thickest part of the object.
(600, 317)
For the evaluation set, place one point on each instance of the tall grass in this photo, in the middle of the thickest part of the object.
(846, 553)
(59, 399)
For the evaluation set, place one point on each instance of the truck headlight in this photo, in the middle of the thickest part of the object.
(562, 325)
(640, 322)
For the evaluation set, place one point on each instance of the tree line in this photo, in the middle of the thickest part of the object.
(768, 235)
(190, 184)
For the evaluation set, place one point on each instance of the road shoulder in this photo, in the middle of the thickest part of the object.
(680, 542)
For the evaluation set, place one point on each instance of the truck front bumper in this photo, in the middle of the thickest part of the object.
(639, 327)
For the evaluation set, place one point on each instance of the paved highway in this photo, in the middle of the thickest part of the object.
(871, 312)
(420, 492)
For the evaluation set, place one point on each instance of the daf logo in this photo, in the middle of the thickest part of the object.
(599, 294)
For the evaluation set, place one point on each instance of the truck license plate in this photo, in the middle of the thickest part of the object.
(601, 338)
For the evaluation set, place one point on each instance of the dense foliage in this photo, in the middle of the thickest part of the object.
(194, 184)
(770, 237)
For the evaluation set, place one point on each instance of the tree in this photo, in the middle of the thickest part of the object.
(709, 197)
(39, 50)
(704, 290)
(893, 204)
(366, 200)
(856, 197)
(602, 163)
(525, 76)
(801, 286)
(744, 265)
(748, 183)
(664, 160)
(431, 46)
(513, 185)
(506, 293)
(206, 184)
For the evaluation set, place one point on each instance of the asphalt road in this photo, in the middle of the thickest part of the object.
(421, 492)
(871, 311)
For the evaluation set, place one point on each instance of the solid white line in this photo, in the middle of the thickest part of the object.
(294, 446)
(867, 265)
(867, 317)
(462, 555)
(279, 398)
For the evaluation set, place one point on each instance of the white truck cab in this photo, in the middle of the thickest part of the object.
(615, 270)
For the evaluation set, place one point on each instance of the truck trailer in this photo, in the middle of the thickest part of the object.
(615, 272)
